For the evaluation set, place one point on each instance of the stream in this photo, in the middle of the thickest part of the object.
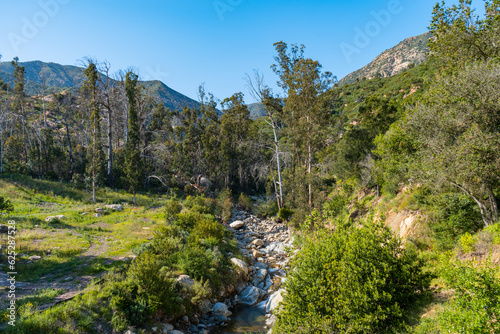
(245, 319)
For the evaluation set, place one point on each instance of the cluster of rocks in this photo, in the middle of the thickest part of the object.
(266, 244)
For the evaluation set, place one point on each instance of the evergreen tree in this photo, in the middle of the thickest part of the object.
(96, 167)
(133, 162)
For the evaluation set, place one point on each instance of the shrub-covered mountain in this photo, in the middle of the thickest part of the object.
(66, 77)
(412, 51)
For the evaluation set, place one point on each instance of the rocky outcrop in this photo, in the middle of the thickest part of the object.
(412, 50)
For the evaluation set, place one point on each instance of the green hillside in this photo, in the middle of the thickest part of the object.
(66, 77)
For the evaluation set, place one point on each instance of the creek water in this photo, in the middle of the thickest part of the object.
(245, 319)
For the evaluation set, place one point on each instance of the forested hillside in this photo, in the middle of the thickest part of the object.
(389, 184)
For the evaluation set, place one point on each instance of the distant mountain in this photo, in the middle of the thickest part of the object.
(66, 77)
(412, 50)
(256, 110)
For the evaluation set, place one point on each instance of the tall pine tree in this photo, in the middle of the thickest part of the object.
(96, 168)
(134, 170)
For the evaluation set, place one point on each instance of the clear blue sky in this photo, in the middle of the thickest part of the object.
(185, 42)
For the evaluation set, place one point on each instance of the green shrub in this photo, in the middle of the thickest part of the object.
(456, 215)
(245, 202)
(467, 242)
(172, 209)
(226, 204)
(205, 229)
(187, 220)
(335, 206)
(285, 213)
(267, 209)
(356, 280)
(476, 303)
(193, 261)
(5, 205)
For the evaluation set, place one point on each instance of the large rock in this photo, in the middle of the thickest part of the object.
(258, 242)
(51, 218)
(257, 253)
(116, 207)
(221, 310)
(240, 264)
(260, 275)
(237, 224)
(274, 300)
(205, 306)
(186, 280)
(176, 332)
(249, 295)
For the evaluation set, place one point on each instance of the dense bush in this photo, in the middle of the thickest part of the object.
(456, 215)
(285, 213)
(172, 209)
(267, 209)
(5, 205)
(356, 280)
(475, 306)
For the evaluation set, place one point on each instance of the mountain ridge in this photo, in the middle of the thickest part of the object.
(69, 77)
(411, 51)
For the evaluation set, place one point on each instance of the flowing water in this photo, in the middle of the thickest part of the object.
(245, 319)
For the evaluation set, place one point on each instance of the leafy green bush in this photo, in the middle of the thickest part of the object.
(172, 209)
(356, 280)
(205, 229)
(225, 204)
(194, 262)
(335, 206)
(245, 202)
(476, 303)
(267, 209)
(5, 205)
(456, 215)
(285, 213)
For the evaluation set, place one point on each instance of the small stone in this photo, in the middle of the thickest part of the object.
(237, 224)
(258, 242)
(116, 207)
(168, 327)
(186, 280)
(257, 253)
(240, 264)
(221, 310)
(51, 218)
(99, 210)
(34, 258)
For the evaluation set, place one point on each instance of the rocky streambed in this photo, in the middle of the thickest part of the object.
(248, 308)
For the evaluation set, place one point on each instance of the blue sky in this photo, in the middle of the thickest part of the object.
(185, 42)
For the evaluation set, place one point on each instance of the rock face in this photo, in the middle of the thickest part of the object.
(412, 50)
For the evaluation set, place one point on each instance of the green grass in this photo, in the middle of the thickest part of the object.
(79, 239)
